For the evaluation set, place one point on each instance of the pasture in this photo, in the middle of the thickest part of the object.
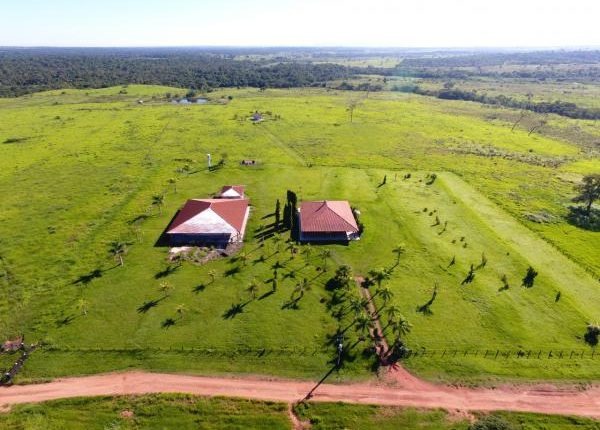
(78, 169)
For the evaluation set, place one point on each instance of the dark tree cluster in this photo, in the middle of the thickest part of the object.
(30, 70)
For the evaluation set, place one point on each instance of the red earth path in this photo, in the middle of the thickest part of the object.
(403, 390)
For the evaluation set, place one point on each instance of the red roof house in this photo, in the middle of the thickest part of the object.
(232, 192)
(327, 220)
(209, 222)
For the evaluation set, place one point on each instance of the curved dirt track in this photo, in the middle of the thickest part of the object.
(403, 391)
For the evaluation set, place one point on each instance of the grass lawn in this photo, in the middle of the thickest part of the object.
(182, 411)
(83, 172)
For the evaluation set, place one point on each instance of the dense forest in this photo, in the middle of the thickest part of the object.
(29, 70)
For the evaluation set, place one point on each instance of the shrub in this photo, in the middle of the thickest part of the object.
(491, 422)
(592, 334)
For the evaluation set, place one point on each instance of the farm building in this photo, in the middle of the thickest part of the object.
(209, 222)
(327, 221)
(232, 192)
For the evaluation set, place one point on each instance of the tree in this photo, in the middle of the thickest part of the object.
(293, 248)
(166, 288)
(173, 182)
(252, 289)
(363, 323)
(379, 275)
(356, 306)
(301, 288)
(392, 312)
(325, 254)
(589, 192)
(158, 200)
(213, 274)
(401, 326)
(118, 249)
(529, 277)
(351, 106)
(243, 258)
(385, 294)
(277, 239)
(82, 306)
(399, 250)
(307, 252)
(277, 213)
(343, 276)
(181, 309)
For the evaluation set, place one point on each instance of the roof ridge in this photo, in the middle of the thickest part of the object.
(337, 214)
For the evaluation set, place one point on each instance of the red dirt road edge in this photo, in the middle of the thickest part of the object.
(555, 401)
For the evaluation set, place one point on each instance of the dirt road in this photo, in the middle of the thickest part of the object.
(532, 399)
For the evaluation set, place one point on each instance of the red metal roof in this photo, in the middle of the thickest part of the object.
(327, 216)
(237, 188)
(232, 211)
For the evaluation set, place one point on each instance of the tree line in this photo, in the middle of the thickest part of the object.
(557, 107)
(31, 70)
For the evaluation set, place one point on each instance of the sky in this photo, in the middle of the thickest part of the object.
(368, 23)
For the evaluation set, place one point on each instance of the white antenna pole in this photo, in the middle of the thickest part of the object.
(209, 161)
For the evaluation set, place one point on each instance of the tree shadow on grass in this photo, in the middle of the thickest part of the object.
(169, 270)
(199, 288)
(88, 277)
(169, 322)
(578, 217)
(61, 322)
(267, 294)
(234, 310)
(147, 305)
(232, 271)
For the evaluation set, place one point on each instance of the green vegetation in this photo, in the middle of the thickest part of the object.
(90, 186)
(183, 411)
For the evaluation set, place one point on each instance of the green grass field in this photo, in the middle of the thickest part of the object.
(78, 169)
(182, 411)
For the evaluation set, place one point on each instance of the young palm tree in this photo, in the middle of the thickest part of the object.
(325, 254)
(307, 252)
(158, 200)
(401, 326)
(385, 294)
(356, 306)
(379, 275)
(181, 309)
(253, 289)
(118, 249)
(82, 306)
(393, 312)
(166, 288)
(293, 248)
(277, 239)
(213, 274)
(173, 182)
(363, 323)
(243, 258)
(399, 250)
(301, 288)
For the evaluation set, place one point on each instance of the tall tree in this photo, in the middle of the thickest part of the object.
(589, 191)
(379, 275)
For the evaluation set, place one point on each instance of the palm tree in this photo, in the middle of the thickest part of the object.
(307, 252)
(243, 258)
(399, 250)
(401, 326)
(379, 275)
(118, 249)
(277, 239)
(293, 248)
(173, 181)
(385, 293)
(165, 288)
(301, 288)
(325, 254)
(393, 312)
(363, 323)
(181, 309)
(356, 306)
(253, 289)
(158, 200)
(213, 274)
(83, 305)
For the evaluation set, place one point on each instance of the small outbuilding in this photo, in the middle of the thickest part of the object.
(232, 192)
(327, 221)
(209, 222)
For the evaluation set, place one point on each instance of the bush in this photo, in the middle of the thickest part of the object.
(491, 422)
(592, 334)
